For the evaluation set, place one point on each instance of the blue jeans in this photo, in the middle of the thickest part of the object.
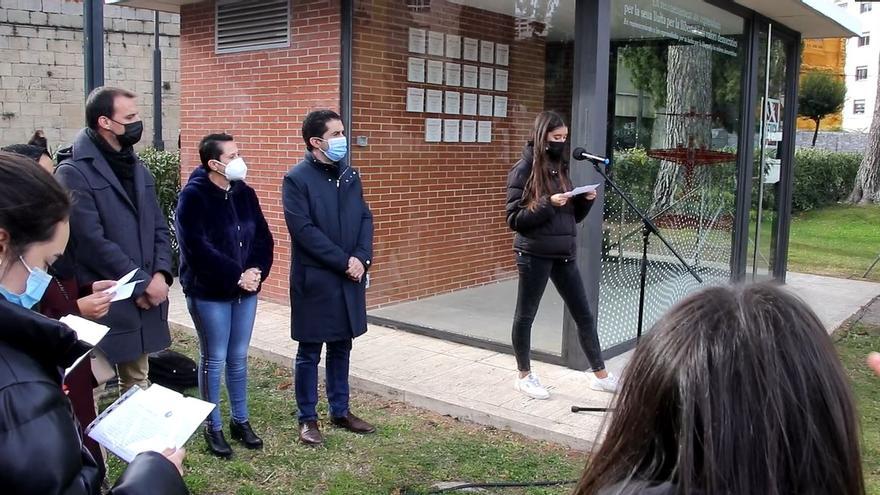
(305, 378)
(224, 329)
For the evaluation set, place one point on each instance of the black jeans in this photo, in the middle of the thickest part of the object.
(534, 272)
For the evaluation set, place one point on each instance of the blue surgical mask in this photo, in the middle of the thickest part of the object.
(37, 283)
(337, 148)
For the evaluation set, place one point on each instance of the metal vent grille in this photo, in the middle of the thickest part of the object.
(244, 25)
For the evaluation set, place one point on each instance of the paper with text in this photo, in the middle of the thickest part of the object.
(148, 420)
(581, 190)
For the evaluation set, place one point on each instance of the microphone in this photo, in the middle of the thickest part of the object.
(581, 154)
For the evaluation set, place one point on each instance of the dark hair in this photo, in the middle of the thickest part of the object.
(540, 181)
(100, 103)
(28, 150)
(736, 390)
(32, 202)
(39, 139)
(209, 147)
(315, 125)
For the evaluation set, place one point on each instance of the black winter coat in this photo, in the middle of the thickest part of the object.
(42, 453)
(110, 235)
(547, 231)
(328, 221)
(221, 234)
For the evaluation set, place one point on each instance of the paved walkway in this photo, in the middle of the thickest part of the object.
(477, 384)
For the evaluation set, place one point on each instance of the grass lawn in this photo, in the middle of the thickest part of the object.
(412, 450)
(840, 241)
(854, 346)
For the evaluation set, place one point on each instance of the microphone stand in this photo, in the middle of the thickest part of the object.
(648, 228)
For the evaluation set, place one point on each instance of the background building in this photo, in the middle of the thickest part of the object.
(41, 67)
(862, 64)
(692, 99)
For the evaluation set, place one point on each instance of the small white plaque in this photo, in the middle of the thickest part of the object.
(471, 49)
(434, 101)
(433, 130)
(468, 131)
(436, 43)
(484, 131)
(416, 70)
(453, 46)
(469, 79)
(487, 52)
(486, 108)
(415, 100)
(469, 104)
(450, 130)
(417, 40)
(453, 102)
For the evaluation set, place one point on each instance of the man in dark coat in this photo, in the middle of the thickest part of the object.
(117, 226)
(332, 231)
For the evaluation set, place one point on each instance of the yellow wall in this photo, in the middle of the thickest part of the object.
(829, 55)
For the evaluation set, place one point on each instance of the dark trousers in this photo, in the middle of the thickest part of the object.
(305, 378)
(534, 272)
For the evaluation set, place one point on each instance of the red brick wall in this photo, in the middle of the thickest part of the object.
(259, 97)
(438, 207)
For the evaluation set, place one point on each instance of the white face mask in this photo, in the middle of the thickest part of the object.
(235, 170)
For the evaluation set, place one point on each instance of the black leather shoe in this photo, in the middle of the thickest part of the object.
(217, 443)
(245, 434)
(353, 424)
(309, 433)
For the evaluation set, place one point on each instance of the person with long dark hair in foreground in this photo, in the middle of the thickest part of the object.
(735, 391)
(545, 220)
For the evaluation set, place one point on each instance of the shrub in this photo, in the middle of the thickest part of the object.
(822, 177)
(165, 167)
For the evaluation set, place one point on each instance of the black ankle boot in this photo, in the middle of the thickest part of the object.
(217, 443)
(245, 434)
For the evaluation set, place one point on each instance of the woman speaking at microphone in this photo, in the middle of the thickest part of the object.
(545, 221)
(225, 255)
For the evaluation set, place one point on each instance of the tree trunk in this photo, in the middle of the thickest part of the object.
(815, 132)
(867, 185)
(688, 88)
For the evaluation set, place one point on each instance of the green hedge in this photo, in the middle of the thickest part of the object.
(820, 178)
(165, 167)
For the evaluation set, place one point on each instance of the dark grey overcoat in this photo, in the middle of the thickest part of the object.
(109, 237)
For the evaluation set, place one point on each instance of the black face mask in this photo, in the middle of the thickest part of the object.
(132, 134)
(555, 149)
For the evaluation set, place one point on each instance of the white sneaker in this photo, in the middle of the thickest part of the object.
(531, 386)
(608, 384)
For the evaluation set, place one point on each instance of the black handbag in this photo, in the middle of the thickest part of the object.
(173, 370)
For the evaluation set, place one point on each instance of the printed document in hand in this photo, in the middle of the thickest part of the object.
(124, 287)
(87, 331)
(581, 190)
(154, 419)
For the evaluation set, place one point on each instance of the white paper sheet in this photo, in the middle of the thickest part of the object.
(436, 42)
(148, 420)
(580, 190)
(450, 130)
(487, 52)
(487, 78)
(500, 80)
(469, 104)
(453, 74)
(484, 131)
(471, 49)
(469, 78)
(415, 70)
(433, 130)
(453, 46)
(453, 102)
(417, 40)
(468, 131)
(87, 331)
(415, 100)
(435, 72)
(123, 288)
(434, 101)
(500, 106)
(502, 54)
(486, 108)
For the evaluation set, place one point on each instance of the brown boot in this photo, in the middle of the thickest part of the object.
(309, 433)
(353, 424)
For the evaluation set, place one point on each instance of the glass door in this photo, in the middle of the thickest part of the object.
(769, 137)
